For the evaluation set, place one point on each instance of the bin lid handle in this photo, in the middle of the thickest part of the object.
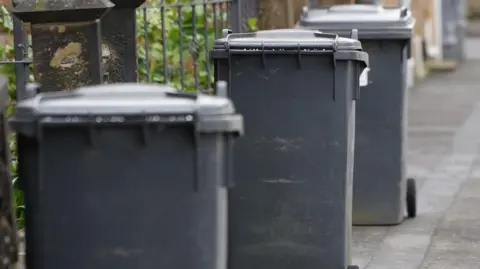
(291, 33)
(182, 94)
(356, 8)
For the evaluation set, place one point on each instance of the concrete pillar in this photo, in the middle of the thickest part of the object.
(119, 41)
(66, 40)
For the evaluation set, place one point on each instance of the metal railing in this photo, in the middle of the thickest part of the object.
(186, 33)
(173, 39)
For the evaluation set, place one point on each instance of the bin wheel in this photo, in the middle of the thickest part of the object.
(353, 267)
(411, 198)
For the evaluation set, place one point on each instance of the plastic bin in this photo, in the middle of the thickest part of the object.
(291, 206)
(126, 176)
(381, 189)
(454, 23)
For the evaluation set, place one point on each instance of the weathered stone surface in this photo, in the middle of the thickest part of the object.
(120, 43)
(66, 56)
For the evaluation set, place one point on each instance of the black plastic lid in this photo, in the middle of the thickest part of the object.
(120, 103)
(286, 39)
(372, 21)
(290, 41)
(52, 11)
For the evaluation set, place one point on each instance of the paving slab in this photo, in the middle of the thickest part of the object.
(444, 142)
(472, 47)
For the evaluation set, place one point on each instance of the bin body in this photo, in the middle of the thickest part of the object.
(124, 179)
(291, 206)
(454, 22)
(381, 122)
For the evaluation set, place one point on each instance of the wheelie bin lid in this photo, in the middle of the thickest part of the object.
(372, 21)
(129, 103)
(288, 41)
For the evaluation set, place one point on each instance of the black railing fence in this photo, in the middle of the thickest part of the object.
(171, 41)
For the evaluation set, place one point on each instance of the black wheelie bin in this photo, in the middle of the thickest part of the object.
(291, 205)
(381, 188)
(126, 176)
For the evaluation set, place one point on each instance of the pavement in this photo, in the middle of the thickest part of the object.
(443, 155)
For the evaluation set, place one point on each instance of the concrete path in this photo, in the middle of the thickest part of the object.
(444, 142)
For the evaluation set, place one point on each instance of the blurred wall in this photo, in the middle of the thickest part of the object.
(474, 8)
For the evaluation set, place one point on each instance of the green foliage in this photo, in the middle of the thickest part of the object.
(17, 193)
(188, 34)
(7, 53)
(252, 25)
